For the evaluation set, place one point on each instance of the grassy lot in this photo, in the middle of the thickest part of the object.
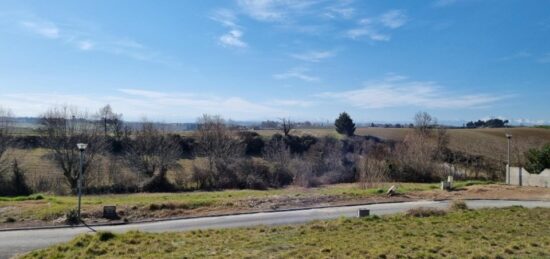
(50, 207)
(488, 142)
(488, 233)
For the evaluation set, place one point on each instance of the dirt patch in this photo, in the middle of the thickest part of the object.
(279, 202)
(492, 191)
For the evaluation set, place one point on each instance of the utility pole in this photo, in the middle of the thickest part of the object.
(509, 137)
(81, 147)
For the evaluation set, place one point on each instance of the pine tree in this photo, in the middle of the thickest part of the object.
(344, 124)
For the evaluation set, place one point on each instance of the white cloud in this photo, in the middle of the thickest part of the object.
(393, 19)
(369, 32)
(85, 45)
(527, 121)
(89, 38)
(225, 17)
(377, 28)
(297, 73)
(42, 28)
(291, 103)
(336, 12)
(138, 103)
(233, 39)
(313, 56)
(273, 10)
(340, 9)
(404, 93)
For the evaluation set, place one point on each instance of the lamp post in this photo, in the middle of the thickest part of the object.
(81, 147)
(509, 137)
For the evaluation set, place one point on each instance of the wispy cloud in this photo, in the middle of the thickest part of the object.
(297, 73)
(138, 103)
(42, 28)
(273, 10)
(340, 9)
(234, 37)
(88, 38)
(527, 121)
(85, 45)
(291, 103)
(368, 31)
(400, 92)
(393, 19)
(313, 55)
(378, 28)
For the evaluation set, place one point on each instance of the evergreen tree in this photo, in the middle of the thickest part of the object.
(344, 124)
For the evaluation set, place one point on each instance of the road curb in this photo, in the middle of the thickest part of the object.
(236, 214)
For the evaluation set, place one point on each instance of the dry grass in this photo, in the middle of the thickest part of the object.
(46, 208)
(487, 233)
(489, 143)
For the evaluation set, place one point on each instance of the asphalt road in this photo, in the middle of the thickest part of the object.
(14, 242)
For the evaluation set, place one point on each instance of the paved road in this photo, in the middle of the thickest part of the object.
(13, 242)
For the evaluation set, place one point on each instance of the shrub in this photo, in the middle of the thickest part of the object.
(15, 185)
(302, 172)
(458, 205)
(538, 159)
(252, 174)
(372, 172)
(71, 217)
(9, 220)
(253, 142)
(18, 181)
(105, 236)
(159, 183)
(422, 212)
(154, 207)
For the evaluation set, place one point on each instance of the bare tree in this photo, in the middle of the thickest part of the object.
(6, 126)
(442, 142)
(218, 145)
(111, 122)
(372, 172)
(277, 152)
(423, 122)
(286, 125)
(63, 127)
(152, 153)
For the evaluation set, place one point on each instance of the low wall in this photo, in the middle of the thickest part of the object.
(520, 176)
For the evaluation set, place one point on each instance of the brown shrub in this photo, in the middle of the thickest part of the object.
(422, 212)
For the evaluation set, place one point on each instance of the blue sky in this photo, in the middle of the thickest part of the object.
(266, 59)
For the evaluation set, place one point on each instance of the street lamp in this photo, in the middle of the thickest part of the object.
(509, 137)
(81, 147)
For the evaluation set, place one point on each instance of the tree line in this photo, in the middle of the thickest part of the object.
(150, 157)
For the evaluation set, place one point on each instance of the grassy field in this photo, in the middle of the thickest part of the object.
(50, 207)
(488, 142)
(489, 233)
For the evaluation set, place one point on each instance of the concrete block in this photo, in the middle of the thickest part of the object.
(363, 213)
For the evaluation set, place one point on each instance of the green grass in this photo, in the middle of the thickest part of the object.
(487, 233)
(49, 207)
